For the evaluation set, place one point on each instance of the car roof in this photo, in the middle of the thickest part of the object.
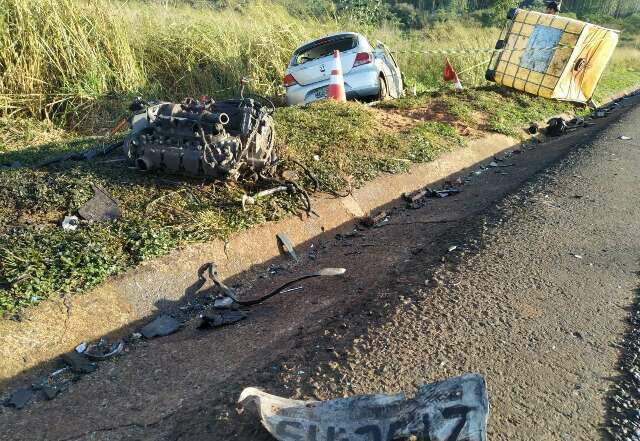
(336, 34)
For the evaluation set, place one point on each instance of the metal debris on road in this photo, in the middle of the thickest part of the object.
(577, 256)
(414, 196)
(223, 302)
(50, 392)
(624, 138)
(101, 207)
(81, 348)
(216, 318)
(325, 272)
(452, 248)
(443, 193)
(556, 127)
(70, 223)
(20, 398)
(453, 409)
(160, 327)
(103, 350)
(79, 363)
(287, 245)
(375, 220)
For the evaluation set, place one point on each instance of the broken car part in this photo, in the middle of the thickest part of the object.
(160, 327)
(216, 139)
(556, 127)
(101, 207)
(214, 319)
(449, 410)
(103, 350)
(375, 220)
(79, 363)
(325, 272)
(20, 398)
(287, 245)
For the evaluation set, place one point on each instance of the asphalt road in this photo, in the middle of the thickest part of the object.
(536, 297)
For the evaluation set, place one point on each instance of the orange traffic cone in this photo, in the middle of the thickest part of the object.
(336, 81)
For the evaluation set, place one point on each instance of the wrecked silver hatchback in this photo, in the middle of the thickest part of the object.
(219, 139)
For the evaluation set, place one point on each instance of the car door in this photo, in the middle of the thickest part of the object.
(396, 86)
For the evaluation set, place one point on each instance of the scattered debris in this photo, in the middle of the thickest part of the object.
(452, 409)
(376, 220)
(20, 398)
(556, 127)
(102, 207)
(452, 248)
(414, 196)
(223, 303)
(493, 164)
(212, 269)
(81, 348)
(103, 350)
(625, 138)
(213, 318)
(79, 363)
(50, 392)
(160, 327)
(70, 223)
(445, 192)
(287, 245)
(577, 256)
(325, 272)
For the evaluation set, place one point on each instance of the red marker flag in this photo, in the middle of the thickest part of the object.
(451, 75)
(449, 72)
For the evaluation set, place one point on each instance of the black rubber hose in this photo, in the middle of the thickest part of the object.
(276, 291)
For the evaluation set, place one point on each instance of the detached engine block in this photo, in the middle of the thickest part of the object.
(217, 139)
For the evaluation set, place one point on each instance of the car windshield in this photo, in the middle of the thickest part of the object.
(322, 48)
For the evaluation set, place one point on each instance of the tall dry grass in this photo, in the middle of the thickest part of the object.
(60, 56)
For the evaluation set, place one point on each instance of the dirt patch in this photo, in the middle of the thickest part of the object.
(399, 120)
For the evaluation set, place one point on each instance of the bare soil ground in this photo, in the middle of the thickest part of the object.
(534, 297)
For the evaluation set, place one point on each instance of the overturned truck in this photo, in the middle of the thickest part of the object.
(219, 139)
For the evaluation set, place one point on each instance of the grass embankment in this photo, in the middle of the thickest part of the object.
(161, 212)
(80, 61)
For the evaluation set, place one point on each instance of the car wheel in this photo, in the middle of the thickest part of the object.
(383, 93)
